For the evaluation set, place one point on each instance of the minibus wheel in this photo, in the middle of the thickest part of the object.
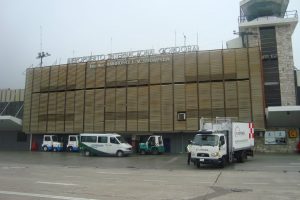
(120, 153)
(87, 153)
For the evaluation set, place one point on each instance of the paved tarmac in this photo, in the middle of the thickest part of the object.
(46, 175)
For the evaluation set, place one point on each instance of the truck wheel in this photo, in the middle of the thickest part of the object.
(142, 152)
(155, 151)
(198, 164)
(45, 148)
(87, 153)
(223, 162)
(120, 153)
(241, 157)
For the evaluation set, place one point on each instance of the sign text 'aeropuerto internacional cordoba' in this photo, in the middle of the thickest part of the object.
(121, 58)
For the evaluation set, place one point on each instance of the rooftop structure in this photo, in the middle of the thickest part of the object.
(260, 13)
(253, 9)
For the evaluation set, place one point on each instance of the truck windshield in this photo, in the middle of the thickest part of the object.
(206, 140)
(54, 138)
(121, 140)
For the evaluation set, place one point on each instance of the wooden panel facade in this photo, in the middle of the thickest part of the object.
(143, 106)
(155, 108)
(155, 73)
(145, 97)
(70, 111)
(27, 100)
(121, 108)
(62, 77)
(203, 66)
(167, 101)
(179, 106)
(99, 110)
(132, 109)
(51, 116)
(192, 111)
(110, 110)
(89, 109)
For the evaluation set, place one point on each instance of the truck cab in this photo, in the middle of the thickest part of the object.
(153, 145)
(209, 148)
(73, 143)
(51, 143)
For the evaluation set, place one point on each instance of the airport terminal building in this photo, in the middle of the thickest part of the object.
(157, 94)
(141, 93)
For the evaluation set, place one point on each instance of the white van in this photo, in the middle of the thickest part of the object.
(104, 144)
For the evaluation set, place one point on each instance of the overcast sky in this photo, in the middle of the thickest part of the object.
(72, 28)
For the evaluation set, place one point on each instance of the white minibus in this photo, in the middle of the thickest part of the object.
(104, 144)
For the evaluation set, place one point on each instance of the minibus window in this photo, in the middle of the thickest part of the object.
(121, 140)
(113, 140)
(90, 139)
(102, 139)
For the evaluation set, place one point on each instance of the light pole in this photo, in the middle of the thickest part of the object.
(42, 55)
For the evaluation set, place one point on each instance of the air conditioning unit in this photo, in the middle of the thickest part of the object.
(181, 116)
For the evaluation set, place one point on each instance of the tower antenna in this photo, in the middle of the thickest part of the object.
(42, 54)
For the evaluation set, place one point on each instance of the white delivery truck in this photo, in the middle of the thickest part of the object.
(51, 143)
(222, 141)
(104, 144)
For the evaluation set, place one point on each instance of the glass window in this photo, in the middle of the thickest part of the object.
(121, 139)
(90, 139)
(47, 138)
(102, 139)
(270, 65)
(160, 141)
(72, 139)
(206, 140)
(113, 140)
(222, 140)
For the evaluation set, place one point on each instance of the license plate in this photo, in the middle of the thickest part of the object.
(201, 159)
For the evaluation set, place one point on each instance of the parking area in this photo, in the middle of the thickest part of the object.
(49, 175)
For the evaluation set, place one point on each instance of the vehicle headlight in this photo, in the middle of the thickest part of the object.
(216, 154)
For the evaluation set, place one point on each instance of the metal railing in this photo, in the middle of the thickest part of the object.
(287, 15)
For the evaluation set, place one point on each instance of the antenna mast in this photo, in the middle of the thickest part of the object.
(42, 54)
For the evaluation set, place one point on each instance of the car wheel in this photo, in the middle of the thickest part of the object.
(45, 148)
(120, 153)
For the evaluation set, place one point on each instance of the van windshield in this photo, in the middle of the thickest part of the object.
(121, 140)
(206, 140)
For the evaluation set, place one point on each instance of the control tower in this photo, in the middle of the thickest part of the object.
(268, 24)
